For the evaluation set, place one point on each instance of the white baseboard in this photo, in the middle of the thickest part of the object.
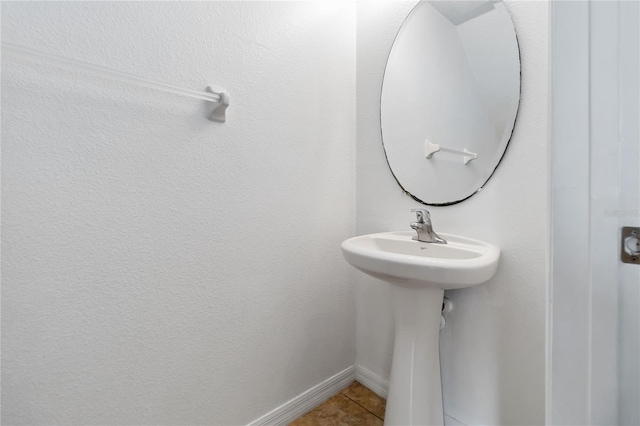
(308, 400)
(372, 381)
(380, 387)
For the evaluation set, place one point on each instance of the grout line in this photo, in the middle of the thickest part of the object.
(360, 405)
(356, 402)
(348, 399)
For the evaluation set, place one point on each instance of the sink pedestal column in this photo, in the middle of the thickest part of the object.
(415, 388)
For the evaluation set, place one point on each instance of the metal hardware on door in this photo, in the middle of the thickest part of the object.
(630, 249)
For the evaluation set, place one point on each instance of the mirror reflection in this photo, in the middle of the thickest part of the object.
(450, 96)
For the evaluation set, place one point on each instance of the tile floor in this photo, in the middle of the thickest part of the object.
(354, 406)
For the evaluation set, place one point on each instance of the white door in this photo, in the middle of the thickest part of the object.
(594, 298)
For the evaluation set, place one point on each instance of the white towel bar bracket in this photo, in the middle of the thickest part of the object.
(219, 113)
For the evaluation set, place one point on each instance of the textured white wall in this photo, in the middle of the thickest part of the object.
(159, 268)
(493, 348)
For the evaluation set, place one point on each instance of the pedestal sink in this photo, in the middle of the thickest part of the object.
(419, 273)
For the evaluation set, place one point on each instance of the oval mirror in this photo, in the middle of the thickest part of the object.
(450, 96)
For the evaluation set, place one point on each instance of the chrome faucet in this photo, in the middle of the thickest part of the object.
(424, 228)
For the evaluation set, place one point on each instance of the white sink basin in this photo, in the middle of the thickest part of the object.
(462, 262)
(419, 273)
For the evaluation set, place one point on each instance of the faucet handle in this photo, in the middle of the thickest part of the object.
(422, 215)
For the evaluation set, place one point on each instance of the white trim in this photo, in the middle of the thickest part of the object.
(380, 387)
(308, 400)
(372, 381)
(568, 351)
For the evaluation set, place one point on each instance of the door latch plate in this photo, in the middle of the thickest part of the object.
(630, 245)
